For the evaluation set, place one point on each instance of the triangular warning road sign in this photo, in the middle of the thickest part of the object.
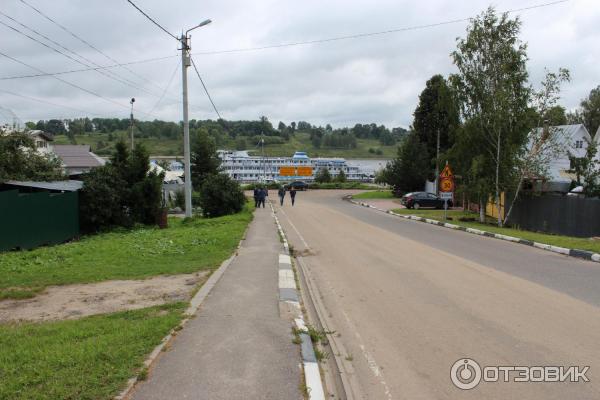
(446, 172)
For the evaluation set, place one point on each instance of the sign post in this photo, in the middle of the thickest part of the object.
(446, 187)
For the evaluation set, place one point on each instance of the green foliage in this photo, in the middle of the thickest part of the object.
(375, 194)
(409, 171)
(493, 96)
(590, 111)
(220, 195)
(339, 185)
(341, 177)
(323, 176)
(89, 358)
(437, 112)
(204, 159)
(587, 170)
(121, 193)
(19, 160)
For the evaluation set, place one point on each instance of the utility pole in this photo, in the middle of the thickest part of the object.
(131, 121)
(437, 163)
(264, 161)
(185, 63)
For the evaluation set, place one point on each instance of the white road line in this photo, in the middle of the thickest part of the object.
(295, 229)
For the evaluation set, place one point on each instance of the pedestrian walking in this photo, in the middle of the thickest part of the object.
(256, 195)
(281, 194)
(262, 195)
(293, 195)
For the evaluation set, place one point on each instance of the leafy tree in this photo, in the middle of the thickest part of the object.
(341, 177)
(587, 170)
(293, 127)
(122, 192)
(590, 111)
(555, 116)
(436, 114)
(55, 127)
(410, 169)
(281, 127)
(323, 176)
(220, 195)
(204, 159)
(491, 88)
(19, 160)
(545, 143)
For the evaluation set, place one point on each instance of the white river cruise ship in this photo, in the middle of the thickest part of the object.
(243, 167)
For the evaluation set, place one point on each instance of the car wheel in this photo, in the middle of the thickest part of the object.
(416, 206)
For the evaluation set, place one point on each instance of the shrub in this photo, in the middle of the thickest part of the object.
(220, 195)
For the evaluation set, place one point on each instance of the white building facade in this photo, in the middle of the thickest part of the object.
(242, 167)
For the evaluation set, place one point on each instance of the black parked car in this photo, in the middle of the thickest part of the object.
(418, 200)
(298, 185)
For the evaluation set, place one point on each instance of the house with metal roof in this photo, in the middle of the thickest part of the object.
(77, 159)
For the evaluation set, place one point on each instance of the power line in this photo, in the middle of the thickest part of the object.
(134, 86)
(248, 49)
(68, 83)
(88, 43)
(166, 88)
(152, 20)
(148, 60)
(369, 34)
(205, 89)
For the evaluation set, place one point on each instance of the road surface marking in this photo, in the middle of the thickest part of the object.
(296, 230)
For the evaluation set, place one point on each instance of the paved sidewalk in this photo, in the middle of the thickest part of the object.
(237, 346)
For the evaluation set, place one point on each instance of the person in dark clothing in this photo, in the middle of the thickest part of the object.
(262, 195)
(293, 195)
(256, 195)
(281, 194)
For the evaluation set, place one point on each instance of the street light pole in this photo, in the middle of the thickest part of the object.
(185, 63)
(131, 121)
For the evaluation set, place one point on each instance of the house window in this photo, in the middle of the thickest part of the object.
(579, 144)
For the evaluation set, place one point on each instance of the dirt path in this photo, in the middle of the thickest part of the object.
(76, 301)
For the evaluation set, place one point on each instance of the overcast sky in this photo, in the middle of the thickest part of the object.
(372, 79)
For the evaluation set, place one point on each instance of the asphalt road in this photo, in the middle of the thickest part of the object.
(409, 299)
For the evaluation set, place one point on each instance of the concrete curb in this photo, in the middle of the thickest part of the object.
(289, 299)
(195, 304)
(583, 254)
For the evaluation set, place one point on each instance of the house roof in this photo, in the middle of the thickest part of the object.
(46, 135)
(77, 155)
(66, 186)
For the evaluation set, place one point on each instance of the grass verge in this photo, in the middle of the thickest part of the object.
(186, 246)
(555, 240)
(90, 358)
(376, 194)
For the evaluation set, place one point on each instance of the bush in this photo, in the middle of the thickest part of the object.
(220, 195)
(323, 176)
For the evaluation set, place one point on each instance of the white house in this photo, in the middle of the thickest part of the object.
(573, 139)
(43, 141)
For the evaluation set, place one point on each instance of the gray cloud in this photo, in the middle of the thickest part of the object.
(375, 79)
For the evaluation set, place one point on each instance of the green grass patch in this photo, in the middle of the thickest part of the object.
(90, 358)
(555, 240)
(376, 194)
(342, 185)
(186, 246)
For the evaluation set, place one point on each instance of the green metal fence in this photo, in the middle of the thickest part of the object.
(29, 220)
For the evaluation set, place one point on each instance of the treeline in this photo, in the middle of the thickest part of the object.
(244, 132)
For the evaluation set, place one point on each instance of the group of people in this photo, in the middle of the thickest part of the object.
(261, 194)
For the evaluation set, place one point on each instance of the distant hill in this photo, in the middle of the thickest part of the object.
(103, 144)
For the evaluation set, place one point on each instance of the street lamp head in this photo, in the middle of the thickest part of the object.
(201, 24)
(132, 100)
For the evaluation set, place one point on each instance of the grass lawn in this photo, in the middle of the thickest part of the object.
(185, 247)
(90, 358)
(174, 147)
(376, 194)
(555, 240)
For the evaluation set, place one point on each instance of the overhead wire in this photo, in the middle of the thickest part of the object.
(166, 88)
(205, 89)
(122, 65)
(152, 20)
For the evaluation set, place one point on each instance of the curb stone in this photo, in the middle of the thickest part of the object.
(583, 254)
(289, 298)
(195, 304)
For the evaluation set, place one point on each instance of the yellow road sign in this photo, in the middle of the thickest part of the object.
(305, 171)
(446, 184)
(287, 171)
(446, 172)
